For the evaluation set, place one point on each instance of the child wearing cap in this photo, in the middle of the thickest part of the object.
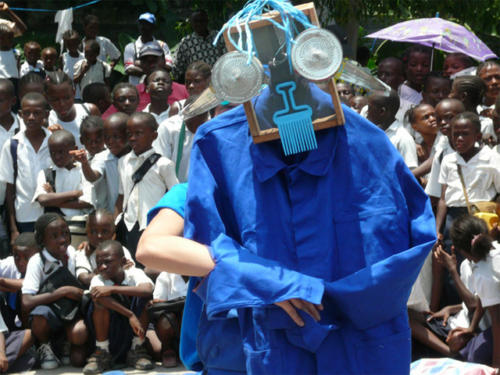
(133, 67)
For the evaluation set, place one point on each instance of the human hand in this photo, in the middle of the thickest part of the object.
(290, 306)
(136, 326)
(4, 6)
(4, 362)
(445, 259)
(128, 264)
(55, 127)
(71, 292)
(47, 187)
(85, 246)
(13, 235)
(79, 155)
(85, 66)
(458, 338)
(420, 151)
(444, 314)
(101, 291)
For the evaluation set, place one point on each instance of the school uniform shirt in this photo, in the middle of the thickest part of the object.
(108, 49)
(25, 68)
(167, 144)
(408, 98)
(99, 187)
(131, 54)
(433, 187)
(403, 142)
(144, 195)
(340, 225)
(487, 128)
(169, 286)
(82, 111)
(481, 177)
(133, 277)
(29, 164)
(107, 164)
(8, 64)
(67, 180)
(194, 47)
(36, 273)
(68, 68)
(8, 268)
(486, 282)
(88, 264)
(158, 117)
(97, 72)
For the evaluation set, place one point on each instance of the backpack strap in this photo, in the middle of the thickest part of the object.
(50, 177)
(14, 143)
(141, 172)
(180, 148)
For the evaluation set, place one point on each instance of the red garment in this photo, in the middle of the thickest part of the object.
(179, 92)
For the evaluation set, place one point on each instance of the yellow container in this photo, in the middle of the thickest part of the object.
(489, 218)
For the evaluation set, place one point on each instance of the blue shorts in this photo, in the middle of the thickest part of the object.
(55, 323)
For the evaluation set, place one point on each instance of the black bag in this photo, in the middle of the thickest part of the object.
(50, 177)
(64, 308)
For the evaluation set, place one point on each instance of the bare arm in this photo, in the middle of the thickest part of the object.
(57, 199)
(423, 168)
(495, 327)
(119, 205)
(10, 285)
(162, 247)
(441, 211)
(30, 301)
(86, 278)
(78, 76)
(14, 17)
(144, 290)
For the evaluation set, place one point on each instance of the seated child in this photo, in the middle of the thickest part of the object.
(22, 158)
(65, 112)
(117, 315)
(49, 59)
(139, 193)
(98, 94)
(159, 87)
(169, 287)
(100, 228)
(62, 187)
(71, 56)
(115, 139)
(51, 294)
(454, 329)
(91, 69)
(12, 271)
(32, 54)
(14, 345)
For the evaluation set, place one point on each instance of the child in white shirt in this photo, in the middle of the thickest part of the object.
(91, 69)
(32, 54)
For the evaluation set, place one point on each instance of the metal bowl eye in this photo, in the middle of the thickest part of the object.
(236, 81)
(316, 54)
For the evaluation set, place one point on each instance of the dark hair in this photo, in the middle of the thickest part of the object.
(70, 34)
(146, 118)
(101, 212)
(8, 86)
(411, 113)
(89, 18)
(124, 85)
(201, 67)
(416, 48)
(470, 234)
(41, 224)
(26, 239)
(434, 75)
(35, 97)
(57, 78)
(112, 244)
(93, 45)
(473, 86)
(30, 77)
(485, 65)
(390, 101)
(464, 59)
(468, 116)
(94, 91)
(62, 136)
(158, 70)
(90, 123)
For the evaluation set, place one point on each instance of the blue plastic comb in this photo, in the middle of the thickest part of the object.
(294, 124)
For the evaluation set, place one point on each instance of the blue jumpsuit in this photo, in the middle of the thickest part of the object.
(346, 225)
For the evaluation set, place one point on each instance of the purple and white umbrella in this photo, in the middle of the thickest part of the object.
(437, 33)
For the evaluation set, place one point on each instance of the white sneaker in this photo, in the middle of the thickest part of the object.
(48, 360)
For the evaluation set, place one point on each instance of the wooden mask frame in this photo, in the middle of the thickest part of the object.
(264, 135)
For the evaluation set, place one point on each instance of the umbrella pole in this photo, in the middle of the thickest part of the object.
(432, 57)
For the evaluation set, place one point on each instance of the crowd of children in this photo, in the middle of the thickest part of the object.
(82, 163)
